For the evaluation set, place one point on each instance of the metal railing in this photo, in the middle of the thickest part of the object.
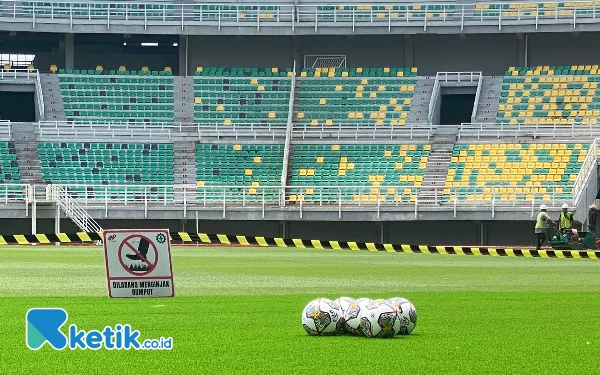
(477, 96)
(400, 195)
(5, 130)
(460, 77)
(435, 94)
(355, 130)
(12, 193)
(71, 208)
(530, 132)
(288, 132)
(19, 74)
(299, 198)
(156, 132)
(309, 16)
(39, 96)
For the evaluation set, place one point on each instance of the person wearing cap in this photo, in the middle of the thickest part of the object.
(542, 222)
(565, 221)
(592, 219)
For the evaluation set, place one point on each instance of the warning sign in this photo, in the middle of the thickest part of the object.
(138, 263)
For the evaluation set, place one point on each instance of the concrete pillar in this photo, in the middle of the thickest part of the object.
(69, 51)
(522, 46)
(183, 225)
(409, 51)
(283, 229)
(183, 47)
(382, 231)
(297, 52)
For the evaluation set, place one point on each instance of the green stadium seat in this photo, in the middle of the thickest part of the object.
(378, 169)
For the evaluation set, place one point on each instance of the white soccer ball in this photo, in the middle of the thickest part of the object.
(321, 317)
(395, 302)
(363, 302)
(351, 318)
(344, 304)
(408, 318)
(379, 320)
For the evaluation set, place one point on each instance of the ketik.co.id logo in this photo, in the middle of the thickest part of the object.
(43, 326)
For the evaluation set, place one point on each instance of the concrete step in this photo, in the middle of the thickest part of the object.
(54, 107)
(183, 99)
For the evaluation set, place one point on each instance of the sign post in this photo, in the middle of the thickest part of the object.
(138, 263)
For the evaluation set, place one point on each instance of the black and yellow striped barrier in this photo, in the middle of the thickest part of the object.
(224, 239)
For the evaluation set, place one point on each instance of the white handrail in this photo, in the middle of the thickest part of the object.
(288, 136)
(39, 96)
(435, 93)
(477, 96)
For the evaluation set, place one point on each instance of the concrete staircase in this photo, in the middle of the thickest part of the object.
(28, 157)
(54, 106)
(183, 100)
(438, 163)
(419, 108)
(491, 87)
(184, 158)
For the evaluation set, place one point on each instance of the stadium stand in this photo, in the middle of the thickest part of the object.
(245, 96)
(132, 10)
(209, 12)
(120, 96)
(365, 96)
(514, 171)
(9, 169)
(550, 95)
(533, 9)
(245, 165)
(107, 164)
(369, 12)
(381, 169)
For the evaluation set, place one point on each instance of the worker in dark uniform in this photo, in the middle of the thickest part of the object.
(592, 219)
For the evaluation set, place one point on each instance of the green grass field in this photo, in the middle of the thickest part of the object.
(237, 310)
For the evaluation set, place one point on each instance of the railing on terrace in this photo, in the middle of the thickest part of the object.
(503, 130)
(289, 16)
(5, 130)
(460, 77)
(16, 193)
(353, 130)
(156, 132)
(326, 197)
(477, 97)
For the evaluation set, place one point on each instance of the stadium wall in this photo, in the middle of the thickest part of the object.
(466, 233)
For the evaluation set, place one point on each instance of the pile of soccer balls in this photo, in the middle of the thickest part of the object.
(360, 317)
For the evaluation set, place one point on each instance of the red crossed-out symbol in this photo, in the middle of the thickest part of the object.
(126, 247)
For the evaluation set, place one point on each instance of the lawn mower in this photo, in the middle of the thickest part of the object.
(575, 241)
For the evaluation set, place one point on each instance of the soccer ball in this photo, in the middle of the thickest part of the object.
(363, 302)
(321, 317)
(408, 317)
(344, 304)
(351, 318)
(379, 320)
(376, 302)
(395, 302)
